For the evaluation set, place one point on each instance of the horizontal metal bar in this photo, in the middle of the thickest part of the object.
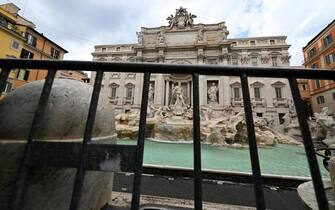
(229, 176)
(100, 157)
(250, 71)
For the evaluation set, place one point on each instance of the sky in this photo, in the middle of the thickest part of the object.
(78, 25)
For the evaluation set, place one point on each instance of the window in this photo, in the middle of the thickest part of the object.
(304, 87)
(26, 54)
(118, 49)
(278, 92)
(259, 114)
(103, 49)
(312, 52)
(234, 61)
(236, 92)
(320, 99)
(254, 61)
(15, 45)
(330, 58)
(54, 53)
(23, 74)
(272, 42)
(31, 40)
(327, 40)
(333, 94)
(252, 42)
(314, 66)
(129, 91)
(317, 83)
(113, 90)
(233, 44)
(257, 92)
(274, 61)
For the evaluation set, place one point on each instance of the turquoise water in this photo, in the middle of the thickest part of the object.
(282, 159)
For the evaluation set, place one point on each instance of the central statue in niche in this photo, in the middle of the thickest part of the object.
(179, 102)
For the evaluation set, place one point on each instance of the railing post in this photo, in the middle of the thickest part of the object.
(196, 145)
(3, 79)
(19, 188)
(308, 144)
(256, 171)
(80, 175)
(135, 202)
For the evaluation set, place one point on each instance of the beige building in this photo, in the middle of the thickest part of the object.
(183, 42)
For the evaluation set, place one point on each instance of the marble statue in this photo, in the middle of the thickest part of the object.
(181, 19)
(151, 94)
(179, 104)
(212, 93)
(139, 38)
(325, 127)
(201, 34)
(161, 37)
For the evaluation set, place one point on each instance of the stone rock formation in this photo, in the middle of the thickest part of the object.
(217, 128)
(64, 120)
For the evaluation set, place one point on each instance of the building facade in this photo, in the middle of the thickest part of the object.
(183, 42)
(319, 53)
(19, 39)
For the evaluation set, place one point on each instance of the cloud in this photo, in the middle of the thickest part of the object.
(79, 25)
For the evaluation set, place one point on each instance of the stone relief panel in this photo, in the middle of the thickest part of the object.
(115, 75)
(130, 76)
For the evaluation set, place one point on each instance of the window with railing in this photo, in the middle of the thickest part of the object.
(129, 91)
(54, 53)
(327, 40)
(31, 39)
(320, 99)
(23, 74)
(312, 52)
(330, 58)
(26, 54)
(278, 91)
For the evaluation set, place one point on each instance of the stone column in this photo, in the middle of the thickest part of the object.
(226, 91)
(159, 90)
(167, 92)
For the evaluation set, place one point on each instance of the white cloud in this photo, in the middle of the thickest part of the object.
(79, 25)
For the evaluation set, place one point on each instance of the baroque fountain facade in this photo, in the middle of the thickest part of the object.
(170, 95)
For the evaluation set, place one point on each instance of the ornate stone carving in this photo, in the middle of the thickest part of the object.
(139, 38)
(161, 37)
(245, 60)
(182, 19)
(285, 58)
(265, 59)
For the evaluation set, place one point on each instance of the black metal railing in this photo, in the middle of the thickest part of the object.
(195, 70)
